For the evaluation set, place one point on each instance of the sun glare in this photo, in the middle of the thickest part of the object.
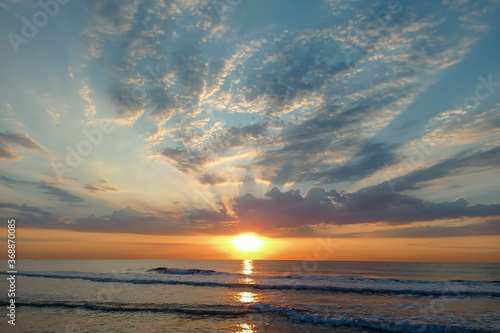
(248, 243)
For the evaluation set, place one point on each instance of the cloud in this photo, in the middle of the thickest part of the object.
(132, 220)
(24, 208)
(90, 108)
(62, 194)
(126, 220)
(376, 204)
(487, 228)
(146, 76)
(9, 181)
(103, 185)
(32, 216)
(369, 159)
(208, 216)
(185, 160)
(315, 112)
(8, 142)
(227, 141)
(212, 179)
(305, 63)
(458, 164)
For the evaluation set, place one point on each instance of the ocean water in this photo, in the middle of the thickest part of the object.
(253, 296)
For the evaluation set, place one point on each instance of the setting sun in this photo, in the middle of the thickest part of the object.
(248, 243)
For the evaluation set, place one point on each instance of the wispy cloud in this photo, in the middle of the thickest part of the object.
(103, 185)
(60, 193)
(9, 142)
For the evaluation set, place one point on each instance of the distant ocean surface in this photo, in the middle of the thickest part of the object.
(253, 296)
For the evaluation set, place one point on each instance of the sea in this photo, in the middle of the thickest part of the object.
(248, 296)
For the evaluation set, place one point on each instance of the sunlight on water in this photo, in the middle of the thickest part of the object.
(247, 297)
(247, 267)
(339, 296)
(248, 281)
(246, 328)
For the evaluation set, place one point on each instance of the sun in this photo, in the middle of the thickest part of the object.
(248, 243)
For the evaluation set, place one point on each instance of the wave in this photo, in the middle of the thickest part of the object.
(377, 280)
(198, 271)
(184, 271)
(302, 316)
(203, 310)
(144, 279)
(293, 314)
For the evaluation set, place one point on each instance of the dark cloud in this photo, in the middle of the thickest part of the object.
(8, 142)
(371, 158)
(185, 160)
(165, 60)
(173, 153)
(298, 66)
(460, 163)
(192, 160)
(152, 55)
(332, 133)
(312, 144)
(487, 228)
(31, 216)
(212, 179)
(9, 181)
(126, 220)
(239, 136)
(209, 216)
(132, 220)
(375, 204)
(328, 121)
(285, 209)
(62, 194)
(103, 185)
(24, 208)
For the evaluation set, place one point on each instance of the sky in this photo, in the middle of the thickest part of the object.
(334, 129)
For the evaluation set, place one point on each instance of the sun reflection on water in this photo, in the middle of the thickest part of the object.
(246, 328)
(248, 281)
(247, 297)
(247, 267)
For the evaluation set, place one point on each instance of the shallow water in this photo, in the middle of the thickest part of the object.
(254, 296)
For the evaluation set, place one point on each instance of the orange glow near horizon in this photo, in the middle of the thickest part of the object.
(37, 243)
